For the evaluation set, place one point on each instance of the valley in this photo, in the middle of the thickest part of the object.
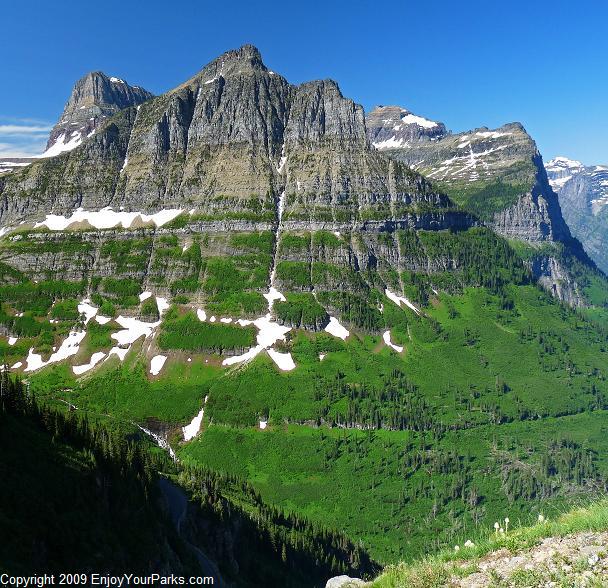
(312, 307)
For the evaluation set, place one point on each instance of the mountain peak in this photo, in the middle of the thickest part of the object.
(95, 97)
(245, 52)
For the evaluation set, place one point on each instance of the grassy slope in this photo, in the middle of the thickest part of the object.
(361, 480)
(514, 370)
(472, 367)
(433, 572)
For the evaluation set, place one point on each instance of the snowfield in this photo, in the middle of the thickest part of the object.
(106, 218)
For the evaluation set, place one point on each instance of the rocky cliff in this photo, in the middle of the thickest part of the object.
(225, 145)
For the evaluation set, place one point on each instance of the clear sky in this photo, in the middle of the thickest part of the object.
(468, 63)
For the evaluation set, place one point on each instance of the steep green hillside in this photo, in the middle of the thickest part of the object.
(499, 394)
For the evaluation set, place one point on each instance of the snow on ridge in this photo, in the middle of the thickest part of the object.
(492, 134)
(391, 143)
(106, 218)
(561, 162)
(412, 119)
(117, 80)
(61, 146)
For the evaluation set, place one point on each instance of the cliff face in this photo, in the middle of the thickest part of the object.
(499, 175)
(238, 148)
(226, 144)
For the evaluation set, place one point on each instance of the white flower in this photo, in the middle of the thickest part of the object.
(541, 518)
(496, 526)
(507, 520)
(469, 543)
(501, 531)
(593, 559)
(456, 547)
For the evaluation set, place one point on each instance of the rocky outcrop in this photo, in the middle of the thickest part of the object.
(573, 560)
(95, 97)
(346, 582)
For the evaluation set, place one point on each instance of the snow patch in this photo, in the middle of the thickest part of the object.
(157, 363)
(336, 329)
(89, 311)
(190, 431)
(12, 340)
(283, 360)
(68, 348)
(106, 218)
(272, 295)
(263, 425)
(144, 296)
(133, 329)
(95, 359)
(201, 314)
(398, 300)
(387, 339)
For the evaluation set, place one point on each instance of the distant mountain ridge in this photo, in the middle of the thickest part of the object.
(583, 195)
(495, 173)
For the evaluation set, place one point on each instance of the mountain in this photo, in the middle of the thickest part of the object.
(234, 268)
(497, 174)
(583, 195)
(94, 98)
(226, 144)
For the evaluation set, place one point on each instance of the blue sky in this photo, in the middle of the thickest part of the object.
(466, 63)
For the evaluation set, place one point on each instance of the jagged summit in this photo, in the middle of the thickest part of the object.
(95, 97)
(244, 60)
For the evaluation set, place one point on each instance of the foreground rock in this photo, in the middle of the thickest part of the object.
(574, 560)
(345, 582)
